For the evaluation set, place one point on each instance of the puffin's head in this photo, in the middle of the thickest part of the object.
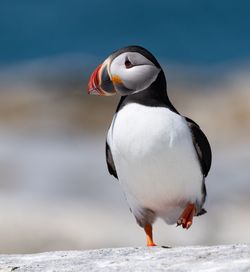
(128, 70)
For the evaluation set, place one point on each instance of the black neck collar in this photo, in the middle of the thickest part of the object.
(155, 95)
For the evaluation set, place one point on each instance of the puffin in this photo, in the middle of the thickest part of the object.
(160, 157)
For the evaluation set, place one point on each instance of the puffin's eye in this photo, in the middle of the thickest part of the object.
(128, 64)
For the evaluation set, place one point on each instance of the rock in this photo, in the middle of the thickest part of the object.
(195, 258)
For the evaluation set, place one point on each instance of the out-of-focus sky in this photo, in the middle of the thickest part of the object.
(194, 32)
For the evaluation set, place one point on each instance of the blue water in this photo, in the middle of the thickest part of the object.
(195, 32)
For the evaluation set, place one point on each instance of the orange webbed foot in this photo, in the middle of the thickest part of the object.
(151, 244)
(186, 218)
(149, 234)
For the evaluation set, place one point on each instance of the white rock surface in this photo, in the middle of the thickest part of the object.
(214, 258)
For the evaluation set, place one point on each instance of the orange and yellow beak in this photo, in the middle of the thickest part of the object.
(100, 82)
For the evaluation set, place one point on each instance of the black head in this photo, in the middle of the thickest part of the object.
(127, 71)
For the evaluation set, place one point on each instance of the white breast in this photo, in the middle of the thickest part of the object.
(155, 159)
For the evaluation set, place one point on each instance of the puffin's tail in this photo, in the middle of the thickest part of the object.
(201, 212)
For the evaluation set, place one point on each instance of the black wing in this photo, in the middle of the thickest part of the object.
(201, 145)
(110, 162)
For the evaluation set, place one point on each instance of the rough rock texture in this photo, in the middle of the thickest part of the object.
(215, 258)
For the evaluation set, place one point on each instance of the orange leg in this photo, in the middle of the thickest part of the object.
(186, 218)
(149, 234)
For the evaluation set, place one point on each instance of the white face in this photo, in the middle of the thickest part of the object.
(134, 70)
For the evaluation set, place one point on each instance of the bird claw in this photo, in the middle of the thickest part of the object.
(186, 219)
(178, 223)
(188, 225)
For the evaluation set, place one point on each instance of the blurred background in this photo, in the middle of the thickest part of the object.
(55, 190)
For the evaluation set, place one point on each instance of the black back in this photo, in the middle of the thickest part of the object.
(202, 146)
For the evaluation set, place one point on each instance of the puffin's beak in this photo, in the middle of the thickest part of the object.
(100, 82)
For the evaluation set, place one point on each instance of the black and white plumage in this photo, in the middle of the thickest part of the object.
(160, 157)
